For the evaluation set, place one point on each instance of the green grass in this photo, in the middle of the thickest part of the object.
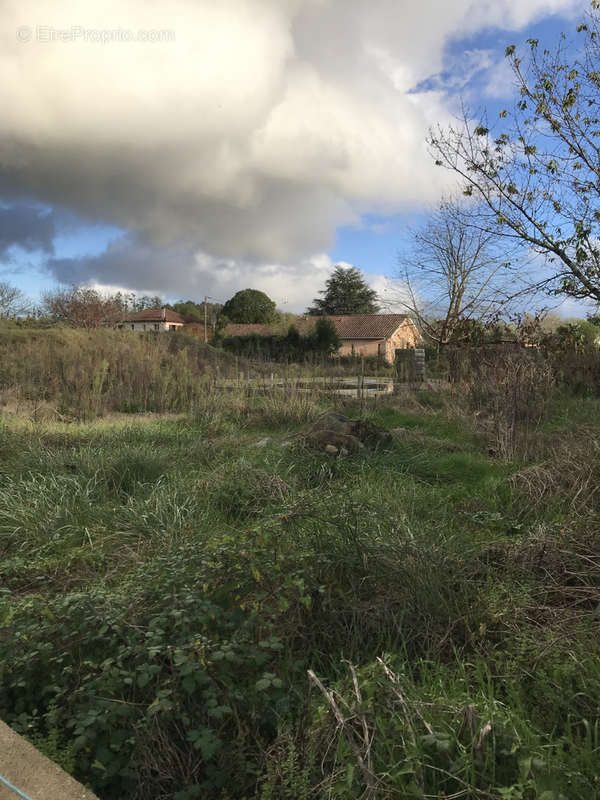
(568, 411)
(168, 583)
(434, 423)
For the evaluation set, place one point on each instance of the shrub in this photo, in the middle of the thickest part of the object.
(321, 342)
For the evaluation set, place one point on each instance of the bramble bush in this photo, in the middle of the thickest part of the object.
(153, 685)
(321, 342)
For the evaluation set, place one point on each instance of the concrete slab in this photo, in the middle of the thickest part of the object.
(34, 774)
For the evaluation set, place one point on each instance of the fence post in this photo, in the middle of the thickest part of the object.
(419, 356)
(410, 365)
(402, 364)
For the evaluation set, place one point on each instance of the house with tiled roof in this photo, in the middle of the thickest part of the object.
(361, 334)
(152, 319)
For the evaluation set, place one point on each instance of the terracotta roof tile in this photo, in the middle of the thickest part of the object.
(367, 326)
(348, 326)
(154, 315)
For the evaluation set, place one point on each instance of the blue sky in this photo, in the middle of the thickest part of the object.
(375, 243)
(237, 181)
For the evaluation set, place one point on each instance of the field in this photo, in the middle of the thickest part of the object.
(196, 605)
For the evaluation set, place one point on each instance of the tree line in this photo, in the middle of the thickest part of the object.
(346, 292)
(87, 307)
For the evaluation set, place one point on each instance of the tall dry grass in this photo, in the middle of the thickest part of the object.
(75, 374)
(87, 373)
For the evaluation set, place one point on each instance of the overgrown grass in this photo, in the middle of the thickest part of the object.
(70, 375)
(168, 584)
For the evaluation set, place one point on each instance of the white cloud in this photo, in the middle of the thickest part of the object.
(392, 293)
(261, 128)
(501, 81)
(575, 308)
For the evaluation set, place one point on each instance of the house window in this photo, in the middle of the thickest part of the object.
(157, 326)
(172, 327)
(133, 326)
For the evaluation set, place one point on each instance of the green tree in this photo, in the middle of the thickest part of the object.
(250, 306)
(580, 336)
(195, 312)
(293, 337)
(346, 292)
(324, 338)
(594, 319)
(538, 176)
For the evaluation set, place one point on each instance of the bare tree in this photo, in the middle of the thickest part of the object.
(146, 301)
(84, 307)
(454, 271)
(538, 174)
(13, 302)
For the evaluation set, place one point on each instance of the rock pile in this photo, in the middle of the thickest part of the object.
(334, 433)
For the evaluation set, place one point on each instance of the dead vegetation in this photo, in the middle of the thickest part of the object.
(567, 472)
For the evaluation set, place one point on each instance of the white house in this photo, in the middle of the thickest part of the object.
(152, 319)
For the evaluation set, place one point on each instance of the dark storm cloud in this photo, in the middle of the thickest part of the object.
(26, 227)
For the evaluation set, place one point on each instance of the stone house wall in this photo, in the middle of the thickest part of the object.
(405, 336)
(360, 347)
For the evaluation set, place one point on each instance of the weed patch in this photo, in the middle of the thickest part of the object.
(168, 584)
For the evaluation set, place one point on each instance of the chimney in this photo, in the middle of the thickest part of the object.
(164, 314)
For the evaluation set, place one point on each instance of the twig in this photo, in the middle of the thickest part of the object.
(368, 776)
(394, 680)
(367, 739)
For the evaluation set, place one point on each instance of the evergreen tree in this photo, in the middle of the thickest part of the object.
(346, 292)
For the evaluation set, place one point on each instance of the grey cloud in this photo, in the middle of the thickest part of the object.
(129, 263)
(180, 271)
(26, 227)
(264, 126)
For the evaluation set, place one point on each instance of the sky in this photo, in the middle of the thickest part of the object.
(191, 148)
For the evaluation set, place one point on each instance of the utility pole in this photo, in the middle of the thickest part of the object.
(205, 333)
